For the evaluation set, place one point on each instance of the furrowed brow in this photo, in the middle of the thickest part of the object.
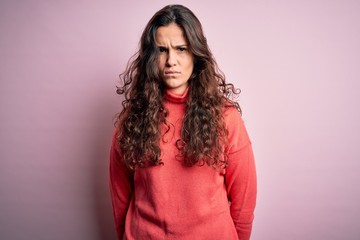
(181, 45)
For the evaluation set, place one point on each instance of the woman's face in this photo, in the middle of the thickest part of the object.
(176, 62)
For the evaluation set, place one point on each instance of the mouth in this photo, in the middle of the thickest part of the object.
(171, 73)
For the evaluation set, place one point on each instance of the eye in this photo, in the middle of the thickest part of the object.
(162, 49)
(182, 49)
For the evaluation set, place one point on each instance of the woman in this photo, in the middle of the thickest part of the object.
(181, 162)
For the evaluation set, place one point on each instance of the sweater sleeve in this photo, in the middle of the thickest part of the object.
(121, 188)
(240, 176)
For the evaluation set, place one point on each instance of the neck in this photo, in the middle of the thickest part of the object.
(175, 97)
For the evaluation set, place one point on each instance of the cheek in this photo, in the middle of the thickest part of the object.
(190, 65)
(161, 62)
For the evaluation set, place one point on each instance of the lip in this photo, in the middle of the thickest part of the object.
(171, 72)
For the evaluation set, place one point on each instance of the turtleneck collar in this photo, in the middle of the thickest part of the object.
(174, 97)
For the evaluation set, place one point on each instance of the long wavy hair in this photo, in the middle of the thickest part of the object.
(203, 135)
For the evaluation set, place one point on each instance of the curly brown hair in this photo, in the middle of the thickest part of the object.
(143, 111)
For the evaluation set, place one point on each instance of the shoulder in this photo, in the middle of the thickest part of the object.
(234, 123)
(231, 113)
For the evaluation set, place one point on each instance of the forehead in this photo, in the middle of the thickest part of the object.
(172, 33)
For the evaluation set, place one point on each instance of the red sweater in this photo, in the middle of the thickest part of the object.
(173, 201)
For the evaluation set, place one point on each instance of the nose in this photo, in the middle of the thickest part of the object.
(171, 58)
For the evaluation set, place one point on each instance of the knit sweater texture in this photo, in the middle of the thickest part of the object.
(173, 201)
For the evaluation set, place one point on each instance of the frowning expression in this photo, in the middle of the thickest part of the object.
(176, 62)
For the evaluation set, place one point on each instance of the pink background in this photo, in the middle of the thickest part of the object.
(297, 63)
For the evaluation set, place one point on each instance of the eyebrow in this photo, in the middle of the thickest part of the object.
(176, 46)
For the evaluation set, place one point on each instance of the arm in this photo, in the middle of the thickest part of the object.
(240, 177)
(241, 188)
(121, 188)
